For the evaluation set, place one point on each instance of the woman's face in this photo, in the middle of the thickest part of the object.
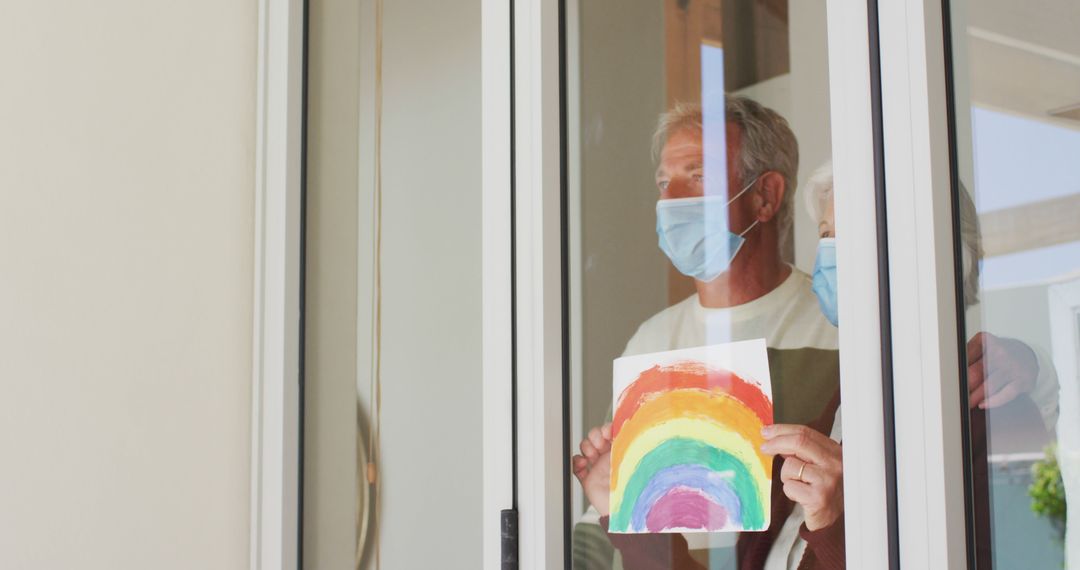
(827, 225)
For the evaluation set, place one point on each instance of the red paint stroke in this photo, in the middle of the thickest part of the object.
(659, 380)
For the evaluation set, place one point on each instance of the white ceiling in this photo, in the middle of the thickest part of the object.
(1023, 57)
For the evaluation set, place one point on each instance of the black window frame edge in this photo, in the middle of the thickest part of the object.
(970, 534)
(884, 293)
(564, 264)
(302, 351)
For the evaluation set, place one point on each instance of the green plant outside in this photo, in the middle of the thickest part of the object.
(1047, 490)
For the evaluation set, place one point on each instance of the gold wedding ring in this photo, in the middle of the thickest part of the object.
(801, 469)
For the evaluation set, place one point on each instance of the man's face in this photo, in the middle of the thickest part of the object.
(681, 173)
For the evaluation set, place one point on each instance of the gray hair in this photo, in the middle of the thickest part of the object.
(768, 144)
(970, 246)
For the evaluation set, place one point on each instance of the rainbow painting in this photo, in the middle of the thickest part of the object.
(686, 451)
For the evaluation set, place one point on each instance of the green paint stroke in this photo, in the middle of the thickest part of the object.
(684, 451)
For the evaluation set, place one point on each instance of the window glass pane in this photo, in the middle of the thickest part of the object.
(1017, 100)
(699, 220)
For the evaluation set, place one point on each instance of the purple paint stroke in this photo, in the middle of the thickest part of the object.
(684, 508)
(716, 486)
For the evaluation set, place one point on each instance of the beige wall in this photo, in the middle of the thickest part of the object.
(126, 242)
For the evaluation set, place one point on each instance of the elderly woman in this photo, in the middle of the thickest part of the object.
(807, 530)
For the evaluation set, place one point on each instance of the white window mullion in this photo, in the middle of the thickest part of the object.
(541, 476)
(496, 280)
(929, 458)
(865, 505)
(275, 410)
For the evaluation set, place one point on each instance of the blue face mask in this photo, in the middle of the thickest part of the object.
(694, 234)
(825, 279)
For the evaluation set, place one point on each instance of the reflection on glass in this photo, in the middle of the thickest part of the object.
(1019, 202)
(704, 244)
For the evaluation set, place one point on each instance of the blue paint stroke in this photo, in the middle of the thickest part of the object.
(716, 486)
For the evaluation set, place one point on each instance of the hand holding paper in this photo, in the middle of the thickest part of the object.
(593, 467)
(812, 472)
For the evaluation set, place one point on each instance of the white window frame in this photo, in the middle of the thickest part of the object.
(529, 84)
(1064, 302)
(535, 93)
(929, 447)
(537, 140)
(496, 281)
(866, 514)
(275, 396)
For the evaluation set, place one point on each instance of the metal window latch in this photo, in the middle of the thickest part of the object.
(509, 528)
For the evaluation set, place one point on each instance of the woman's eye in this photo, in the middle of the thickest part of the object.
(663, 184)
(698, 178)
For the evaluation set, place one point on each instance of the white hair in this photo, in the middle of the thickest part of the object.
(817, 191)
(768, 144)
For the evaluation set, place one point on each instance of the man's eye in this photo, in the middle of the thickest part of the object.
(698, 178)
(663, 184)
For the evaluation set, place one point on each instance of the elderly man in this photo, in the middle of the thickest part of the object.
(750, 292)
(744, 290)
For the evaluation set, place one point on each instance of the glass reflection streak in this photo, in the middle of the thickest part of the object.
(686, 453)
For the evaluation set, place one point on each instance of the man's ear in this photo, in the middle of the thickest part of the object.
(771, 188)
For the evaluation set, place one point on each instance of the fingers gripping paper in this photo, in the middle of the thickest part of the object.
(686, 452)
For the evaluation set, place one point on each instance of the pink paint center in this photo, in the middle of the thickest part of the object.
(685, 508)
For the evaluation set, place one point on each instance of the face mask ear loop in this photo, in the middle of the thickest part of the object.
(745, 189)
(747, 230)
(741, 192)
